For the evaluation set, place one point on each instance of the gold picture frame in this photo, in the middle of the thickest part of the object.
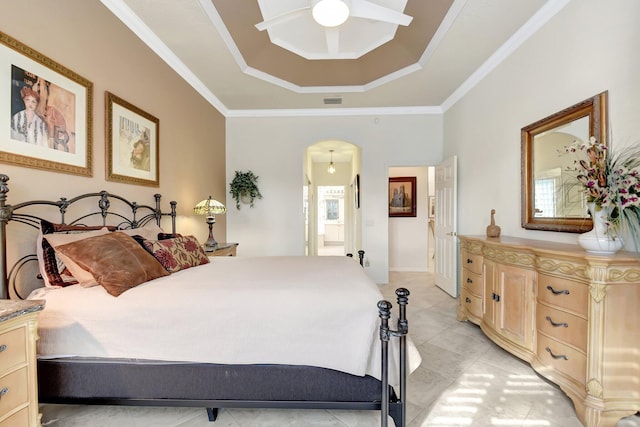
(47, 121)
(133, 151)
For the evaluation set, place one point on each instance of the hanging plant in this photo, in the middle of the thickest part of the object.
(245, 187)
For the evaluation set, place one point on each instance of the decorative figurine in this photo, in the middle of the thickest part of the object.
(493, 230)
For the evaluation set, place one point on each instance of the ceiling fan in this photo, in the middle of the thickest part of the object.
(332, 13)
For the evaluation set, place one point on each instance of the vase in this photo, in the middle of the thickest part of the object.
(598, 240)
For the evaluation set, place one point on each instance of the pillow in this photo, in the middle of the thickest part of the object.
(83, 277)
(178, 253)
(149, 231)
(116, 260)
(52, 269)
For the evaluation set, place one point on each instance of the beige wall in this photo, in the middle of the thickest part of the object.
(588, 47)
(86, 38)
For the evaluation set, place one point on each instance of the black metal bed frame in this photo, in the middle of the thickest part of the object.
(391, 404)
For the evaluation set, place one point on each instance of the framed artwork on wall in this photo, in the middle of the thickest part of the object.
(402, 196)
(46, 116)
(356, 190)
(432, 206)
(133, 151)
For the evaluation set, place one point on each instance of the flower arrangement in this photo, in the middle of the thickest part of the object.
(612, 182)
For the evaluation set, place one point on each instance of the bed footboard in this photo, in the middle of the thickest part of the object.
(384, 307)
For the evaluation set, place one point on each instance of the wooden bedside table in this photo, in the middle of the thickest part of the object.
(18, 381)
(224, 249)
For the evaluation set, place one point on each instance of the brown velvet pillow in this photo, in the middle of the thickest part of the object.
(52, 268)
(116, 260)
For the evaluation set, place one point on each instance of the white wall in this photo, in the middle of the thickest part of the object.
(273, 148)
(408, 236)
(588, 47)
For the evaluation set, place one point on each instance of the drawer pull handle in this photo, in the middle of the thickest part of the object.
(495, 297)
(468, 301)
(469, 261)
(3, 347)
(4, 391)
(553, 291)
(555, 325)
(469, 280)
(556, 356)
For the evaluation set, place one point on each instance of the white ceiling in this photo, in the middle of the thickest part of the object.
(474, 36)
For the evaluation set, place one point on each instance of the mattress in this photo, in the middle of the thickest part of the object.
(305, 311)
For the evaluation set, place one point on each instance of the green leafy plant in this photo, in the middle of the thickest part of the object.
(245, 184)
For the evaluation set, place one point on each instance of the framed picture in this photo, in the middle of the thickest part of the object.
(432, 206)
(356, 190)
(402, 196)
(133, 152)
(45, 116)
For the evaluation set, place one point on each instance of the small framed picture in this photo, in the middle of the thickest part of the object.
(133, 152)
(45, 116)
(432, 206)
(402, 197)
(356, 190)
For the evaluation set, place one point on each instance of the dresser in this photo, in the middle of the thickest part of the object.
(574, 316)
(18, 381)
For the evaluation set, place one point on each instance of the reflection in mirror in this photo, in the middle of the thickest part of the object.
(557, 194)
(551, 197)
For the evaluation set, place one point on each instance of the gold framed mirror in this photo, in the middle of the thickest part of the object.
(551, 198)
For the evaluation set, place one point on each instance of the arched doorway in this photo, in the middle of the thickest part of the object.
(332, 214)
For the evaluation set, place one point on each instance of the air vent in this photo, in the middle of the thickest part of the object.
(332, 101)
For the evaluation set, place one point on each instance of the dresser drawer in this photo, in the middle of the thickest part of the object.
(563, 293)
(472, 281)
(472, 303)
(471, 262)
(562, 326)
(562, 358)
(12, 349)
(20, 418)
(13, 389)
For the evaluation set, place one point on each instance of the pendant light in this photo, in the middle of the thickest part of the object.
(332, 167)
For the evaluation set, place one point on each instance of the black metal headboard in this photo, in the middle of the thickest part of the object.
(124, 215)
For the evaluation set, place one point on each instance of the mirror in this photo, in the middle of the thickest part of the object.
(552, 200)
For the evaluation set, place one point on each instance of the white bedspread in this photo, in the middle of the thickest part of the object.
(316, 311)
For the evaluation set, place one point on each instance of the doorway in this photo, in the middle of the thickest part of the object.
(331, 220)
(331, 210)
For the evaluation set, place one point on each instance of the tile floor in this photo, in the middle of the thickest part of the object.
(464, 380)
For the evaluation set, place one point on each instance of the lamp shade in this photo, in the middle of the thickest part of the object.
(330, 13)
(209, 207)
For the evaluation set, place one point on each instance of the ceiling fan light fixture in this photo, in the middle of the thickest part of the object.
(330, 13)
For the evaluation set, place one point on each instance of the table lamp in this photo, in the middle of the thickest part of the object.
(210, 207)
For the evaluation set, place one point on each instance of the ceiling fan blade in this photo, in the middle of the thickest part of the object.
(332, 35)
(366, 9)
(281, 19)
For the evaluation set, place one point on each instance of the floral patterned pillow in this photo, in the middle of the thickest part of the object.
(178, 253)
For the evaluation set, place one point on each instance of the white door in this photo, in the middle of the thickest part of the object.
(445, 230)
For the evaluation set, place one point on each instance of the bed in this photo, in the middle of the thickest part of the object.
(276, 332)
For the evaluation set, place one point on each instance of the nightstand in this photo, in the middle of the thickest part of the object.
(18, 381)
(224, 249)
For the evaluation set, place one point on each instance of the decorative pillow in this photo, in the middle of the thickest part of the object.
(53, 270)
(164, 236)
(116, 260)
(83, 277)
(149, 231)
(178, 253)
